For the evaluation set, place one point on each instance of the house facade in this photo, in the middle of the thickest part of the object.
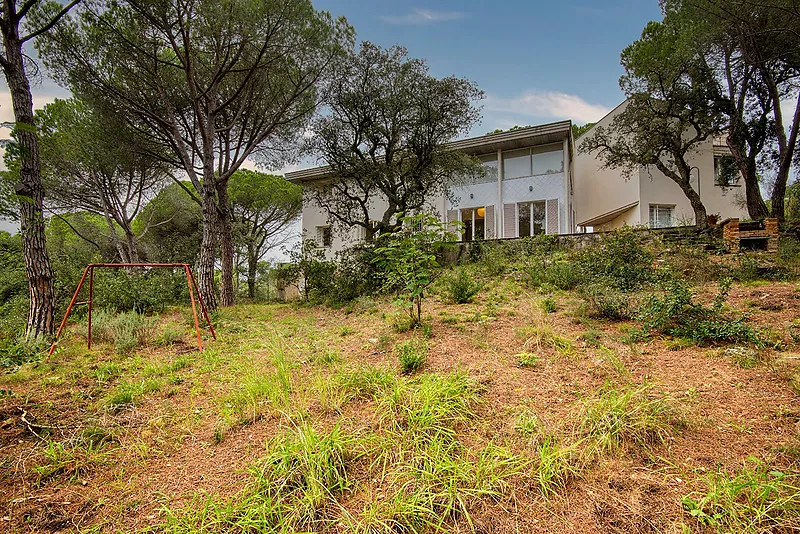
(606, 199)
(536, 182)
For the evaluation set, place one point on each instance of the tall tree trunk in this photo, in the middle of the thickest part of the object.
(252, 266)
(225, 244)
(37, 262)
(756, 207)
(685, 183)
(208, 246)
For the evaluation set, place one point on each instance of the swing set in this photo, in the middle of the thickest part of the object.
(190, 282)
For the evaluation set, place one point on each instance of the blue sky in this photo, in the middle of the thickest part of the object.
(537, 61)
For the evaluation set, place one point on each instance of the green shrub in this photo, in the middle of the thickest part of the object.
(674, 312)
(564, 275)
(125, 331)
(459, 287)
(548, 305)
(528, 359)
(608, 302)
(620, 259)
(15, 352)
(412, 354)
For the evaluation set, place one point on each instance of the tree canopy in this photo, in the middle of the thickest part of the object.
(385, 137)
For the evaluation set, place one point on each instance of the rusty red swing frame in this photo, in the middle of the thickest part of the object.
(190, 281)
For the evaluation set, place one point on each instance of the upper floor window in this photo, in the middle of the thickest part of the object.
(324, 236)
(534, 161)
(726, 173)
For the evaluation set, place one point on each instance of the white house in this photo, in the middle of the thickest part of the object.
(537, 183)
(605, 199)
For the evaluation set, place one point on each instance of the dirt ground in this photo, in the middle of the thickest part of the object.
(163, 450)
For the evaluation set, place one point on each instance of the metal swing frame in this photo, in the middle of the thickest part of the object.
(89, 271)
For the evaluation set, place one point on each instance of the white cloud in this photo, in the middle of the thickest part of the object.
(423, 16)
(546, 104)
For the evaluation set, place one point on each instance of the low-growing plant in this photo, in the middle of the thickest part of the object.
(631, 414)
(548, 305)
(606, 301)
(412, 354)
(757, 498)
(460, 287)
(527, 359)
(620, 259)
(554, 465)
(564, 275)
(126, 330)
(674, 312)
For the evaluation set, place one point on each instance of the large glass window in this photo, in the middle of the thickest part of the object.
(547, 161)
(531, 218)
(661, 216)
(474, 223)
(489, 169)
(516, 164)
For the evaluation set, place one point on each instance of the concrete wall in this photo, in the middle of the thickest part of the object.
(598, 191)
(656, 188)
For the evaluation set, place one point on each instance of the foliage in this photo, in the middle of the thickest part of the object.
(460, 287)
(412, 354)
(386, 135)
(606, 301)
(126, 330)
(308, 268)
(13, 287)
(408, 259)
(173, 224)
(756, 498)
(548, 305)
(670, 111)
(675, 313)
(264, 206)
(93, 162)
(619, 259)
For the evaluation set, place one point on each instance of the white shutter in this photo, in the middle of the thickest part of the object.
(552, 216)
(320, 236)
(509, 220)
(490, 222)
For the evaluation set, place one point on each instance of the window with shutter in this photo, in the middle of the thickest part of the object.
(552, 216)
(509, 220)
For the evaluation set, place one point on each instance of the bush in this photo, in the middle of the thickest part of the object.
(15, 352)
(675, 313)
(549, 305)
(412, 354)
(607, 301)
(459, 287)
(126, 331)
(620, 259)
(564, 275)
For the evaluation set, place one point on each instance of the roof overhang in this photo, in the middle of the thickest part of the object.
(608, 216)
(555, 132)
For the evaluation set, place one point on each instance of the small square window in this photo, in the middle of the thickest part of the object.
(324, 236)
(726, 173)
(661, 216)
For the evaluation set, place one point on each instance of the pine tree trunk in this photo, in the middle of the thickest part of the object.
(225, 244)
(252, 266)
(32, 226)
(208, 247)
(756, 207)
